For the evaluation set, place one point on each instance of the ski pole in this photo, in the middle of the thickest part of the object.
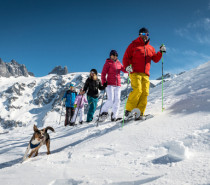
(101, 106)
(126, 97)
(61, 113)
(162, 80)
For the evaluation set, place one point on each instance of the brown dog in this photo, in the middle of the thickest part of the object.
(39, 138)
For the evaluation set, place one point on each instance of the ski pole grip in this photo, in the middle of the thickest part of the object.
(162, 51)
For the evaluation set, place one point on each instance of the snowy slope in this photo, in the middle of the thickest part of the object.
(25, 101)
(171, 148)
(28, 100)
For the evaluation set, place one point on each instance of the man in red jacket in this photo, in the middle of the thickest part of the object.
(110, 77)
(137, 61)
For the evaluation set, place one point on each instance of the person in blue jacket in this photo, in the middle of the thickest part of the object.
(69, 98)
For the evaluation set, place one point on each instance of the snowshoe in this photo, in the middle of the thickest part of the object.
(128, 114)
(144, 117)
(72, 124)
(118, 119)
(103, 116)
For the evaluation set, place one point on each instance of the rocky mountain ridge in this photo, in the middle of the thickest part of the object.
(36, 97)
(59, 71)
(13, 68)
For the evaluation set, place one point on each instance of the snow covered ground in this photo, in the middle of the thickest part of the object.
(171, 148)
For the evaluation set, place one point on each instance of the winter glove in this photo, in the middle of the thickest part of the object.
(129, 69)
(105, 84)
(75, 106)
(64, 100)
(163, 48)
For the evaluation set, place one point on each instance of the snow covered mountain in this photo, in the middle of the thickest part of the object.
(25, 100)
(13, 69)
(171, 148)
(166, 77)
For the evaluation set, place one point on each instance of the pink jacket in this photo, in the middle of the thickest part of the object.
(112, 70)
(80, 101)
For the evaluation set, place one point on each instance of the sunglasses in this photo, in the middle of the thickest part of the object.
(92, 72)
(145, 34)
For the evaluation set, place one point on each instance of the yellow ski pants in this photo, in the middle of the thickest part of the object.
(138, 97)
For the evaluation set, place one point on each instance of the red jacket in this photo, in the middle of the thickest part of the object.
(139, 54)
(112, 69)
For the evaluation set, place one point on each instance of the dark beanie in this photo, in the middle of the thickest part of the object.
(113, 52)
(94, 70)
(143, 30)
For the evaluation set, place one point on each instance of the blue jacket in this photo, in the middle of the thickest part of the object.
(70, 98)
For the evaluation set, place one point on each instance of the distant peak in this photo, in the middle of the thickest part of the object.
(59, 70)
(13, 61)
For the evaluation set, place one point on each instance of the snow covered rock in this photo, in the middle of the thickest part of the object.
(167, 76)
(59, 71)
(13, 69)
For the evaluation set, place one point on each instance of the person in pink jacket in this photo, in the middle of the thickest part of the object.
(110, 77)
(79, 104)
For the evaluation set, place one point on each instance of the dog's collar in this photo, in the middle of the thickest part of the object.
(34, 146)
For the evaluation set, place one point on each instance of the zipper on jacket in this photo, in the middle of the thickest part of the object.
(116, 72)
(145, 58)
(70, 99)
(80, 102)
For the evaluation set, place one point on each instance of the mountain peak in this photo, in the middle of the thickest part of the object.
(13, 68)
(59, 71)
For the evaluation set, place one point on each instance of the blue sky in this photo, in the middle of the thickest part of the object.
(79, 34)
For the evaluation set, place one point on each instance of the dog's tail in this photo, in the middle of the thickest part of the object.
(50, 128)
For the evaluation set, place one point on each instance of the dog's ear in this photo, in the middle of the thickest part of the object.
(35, 128)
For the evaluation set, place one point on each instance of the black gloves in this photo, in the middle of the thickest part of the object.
(105, 84)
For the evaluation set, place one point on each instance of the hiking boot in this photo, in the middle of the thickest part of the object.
(104, 114)
(72, 123)
(112, 118)
(128, 114)
(88, 121)
(66, 123)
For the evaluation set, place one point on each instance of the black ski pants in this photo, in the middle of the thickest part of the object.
(69, 115)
